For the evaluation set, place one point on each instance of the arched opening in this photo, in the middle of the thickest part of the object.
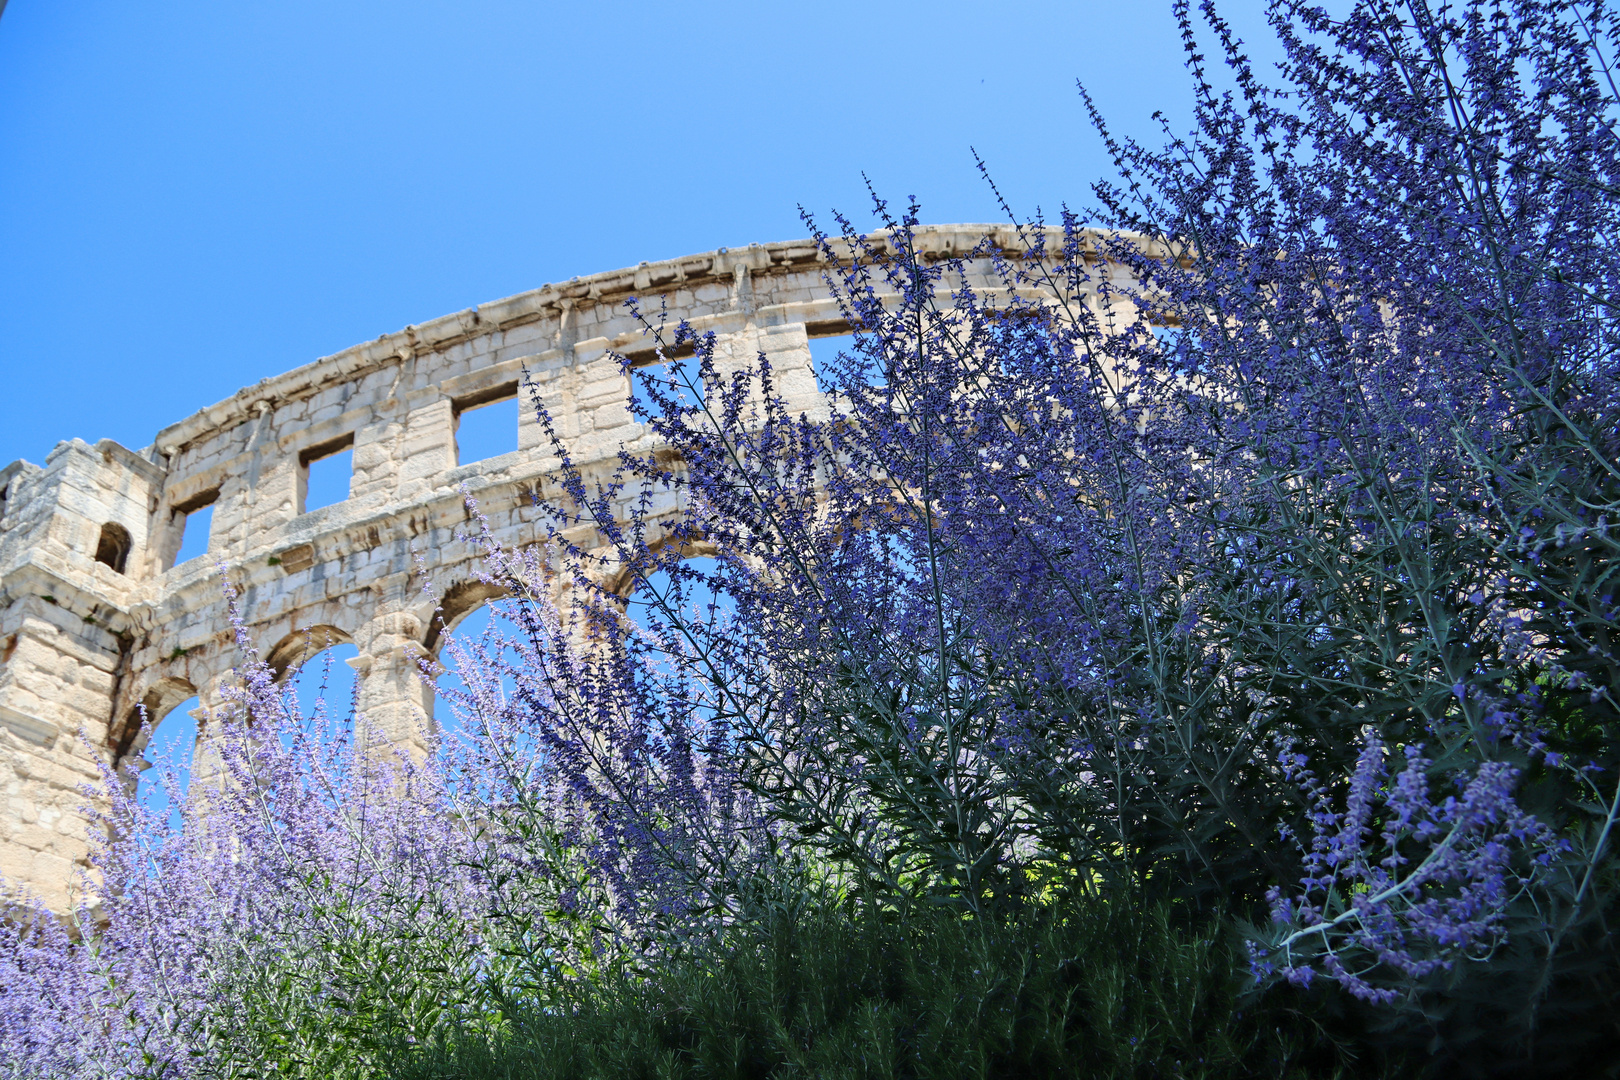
(465, 614)
(674, 607)
(299, 647)
(326, 676)
(316, 665)
(683, 593)
(647, 597)
(459, 601)
(162, 749)
(160, 699)
(680, 625)
(112, 549)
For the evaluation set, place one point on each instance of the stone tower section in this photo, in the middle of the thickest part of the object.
(98, 621)
(74, 545)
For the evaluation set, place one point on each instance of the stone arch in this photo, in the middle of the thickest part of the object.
(125, 739)
(634, 606)
(113, 546)
(302, 645)
(622, 582)
(459, 601)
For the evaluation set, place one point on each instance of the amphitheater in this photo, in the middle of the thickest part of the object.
(97, 620)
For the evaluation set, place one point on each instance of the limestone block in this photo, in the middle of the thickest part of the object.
(59, 765)
(376, 459)
(334, 396)
(29, 730)
(37, 838)
(274, 495)
(16, 867)
(427, 445)
(53, 876)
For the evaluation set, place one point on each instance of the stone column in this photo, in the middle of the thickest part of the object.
(425, 448)
(213, 706)
(600, 400)
(789, 350)
(394, 706)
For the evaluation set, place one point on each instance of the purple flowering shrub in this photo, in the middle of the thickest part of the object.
(1331, 468)
(1396, 351)
(1361, 895)
(603, 773)
(324, 904)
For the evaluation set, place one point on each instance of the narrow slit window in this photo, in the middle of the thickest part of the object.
(196, 522)
(487, 425)
(325, 472)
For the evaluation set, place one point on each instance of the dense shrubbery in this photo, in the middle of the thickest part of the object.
(1266, 587)
(1072, 991)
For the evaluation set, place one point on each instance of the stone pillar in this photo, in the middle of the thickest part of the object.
(376, 441)
(788, 348)
(792, 374)
(55, 683)
(394, 706)
(600, 402)
(549, 375)
(425, 448)
(213, 706)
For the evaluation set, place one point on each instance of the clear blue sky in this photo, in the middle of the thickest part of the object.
(195, 195)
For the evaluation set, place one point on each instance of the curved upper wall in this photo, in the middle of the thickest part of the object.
(693, 275)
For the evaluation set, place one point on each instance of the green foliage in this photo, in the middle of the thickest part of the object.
(349, 995)
(847, 990)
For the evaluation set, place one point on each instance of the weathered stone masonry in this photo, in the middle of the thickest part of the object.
(95, 620)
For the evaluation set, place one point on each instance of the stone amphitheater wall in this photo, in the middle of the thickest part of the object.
(96, 620)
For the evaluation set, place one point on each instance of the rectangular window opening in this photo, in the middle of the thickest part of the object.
(196, 523)
(677, 373)
(324, 473)
(833, 356)
(486, 424)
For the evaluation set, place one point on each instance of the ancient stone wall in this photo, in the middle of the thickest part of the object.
(96, 620)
